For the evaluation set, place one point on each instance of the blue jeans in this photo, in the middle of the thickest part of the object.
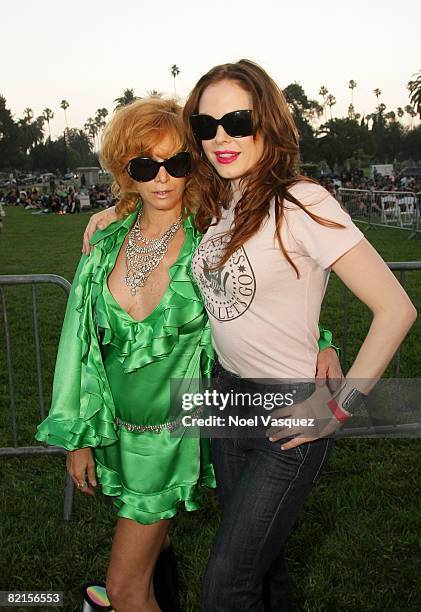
(261, 489)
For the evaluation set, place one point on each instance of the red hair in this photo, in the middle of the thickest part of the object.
(273, 175)
(136, 129)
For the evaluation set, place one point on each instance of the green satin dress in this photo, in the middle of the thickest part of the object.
(110, 366)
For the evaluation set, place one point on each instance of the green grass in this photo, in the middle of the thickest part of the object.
(356, 546)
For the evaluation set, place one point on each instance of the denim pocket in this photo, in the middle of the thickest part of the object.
(327, 449)
(302, 450)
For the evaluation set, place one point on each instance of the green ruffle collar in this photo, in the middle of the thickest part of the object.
(152, 339)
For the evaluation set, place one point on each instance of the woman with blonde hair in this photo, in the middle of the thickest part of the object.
(134, 320)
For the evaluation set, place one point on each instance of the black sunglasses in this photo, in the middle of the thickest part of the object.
(237, 124)
(146, 168)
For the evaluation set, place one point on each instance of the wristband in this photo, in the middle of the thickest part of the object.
(339, 413)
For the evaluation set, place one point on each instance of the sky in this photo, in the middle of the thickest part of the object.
(89, 51)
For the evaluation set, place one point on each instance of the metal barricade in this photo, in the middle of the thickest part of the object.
(357, 202)
(16, 450)
(400, 209)
(402, 267)
(33, 280)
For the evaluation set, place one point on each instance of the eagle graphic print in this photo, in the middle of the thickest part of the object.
(228, 290)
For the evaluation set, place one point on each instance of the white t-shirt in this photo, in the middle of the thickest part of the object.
(264, 320)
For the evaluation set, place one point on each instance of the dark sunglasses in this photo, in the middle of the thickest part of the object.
(145, 168)
(237, 124)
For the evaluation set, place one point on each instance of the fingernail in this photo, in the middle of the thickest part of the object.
(93, 483)
(282, 447)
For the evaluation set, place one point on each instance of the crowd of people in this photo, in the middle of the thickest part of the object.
(355, 179)
(392, 199)
(60, 200)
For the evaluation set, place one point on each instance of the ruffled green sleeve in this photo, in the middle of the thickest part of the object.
(82, 409)
(325, 340)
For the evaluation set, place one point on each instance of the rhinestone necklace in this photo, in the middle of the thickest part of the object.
(143, 258)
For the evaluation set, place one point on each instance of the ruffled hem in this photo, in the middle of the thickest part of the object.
(161, 505)
(72, 435)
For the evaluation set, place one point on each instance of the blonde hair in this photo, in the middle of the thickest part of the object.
(136, 129)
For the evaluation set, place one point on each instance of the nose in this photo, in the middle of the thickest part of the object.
(162, 176)
(221, 135)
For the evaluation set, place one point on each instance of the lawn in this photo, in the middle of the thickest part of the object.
(357, 544)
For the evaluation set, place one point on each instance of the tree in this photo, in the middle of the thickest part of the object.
(80, 149)
(352, 114)
(53, 154)
(342, 139)
(411, 144)
(352, 85)
(299, 104)
(411, 112)
(390, 116)
(10, 152)
(65, 105)
(389, 142)
(38, 130)
(323, 91)
(414, 87)
(330, 101)
(304, 111)
(175, 71)
(377, 93)
(154, 93)
(31, 132)
(91, 129)
(400, 112)
(48, 116)
(127, 97)
(100, 115)
(28, 115)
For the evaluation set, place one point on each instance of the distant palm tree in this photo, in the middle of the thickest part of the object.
(414, 87)
(91, 129)
(377, 93)
(65, 105)
(154, 93)
(411, 112)
(32, 131)
(127, 97)
(175, 71)
(99, 120)
(352, 114)
(100, 115)
(28, 114)
(323, 91)
(38, 129)
(48, 116)
(330, 101)
(352, 85)
(371, 117)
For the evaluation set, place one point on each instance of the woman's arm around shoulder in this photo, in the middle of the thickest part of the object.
(99, 220)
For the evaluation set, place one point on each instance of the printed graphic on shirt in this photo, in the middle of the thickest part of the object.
(229, 290)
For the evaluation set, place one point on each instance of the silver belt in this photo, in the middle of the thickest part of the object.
(171, 425)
